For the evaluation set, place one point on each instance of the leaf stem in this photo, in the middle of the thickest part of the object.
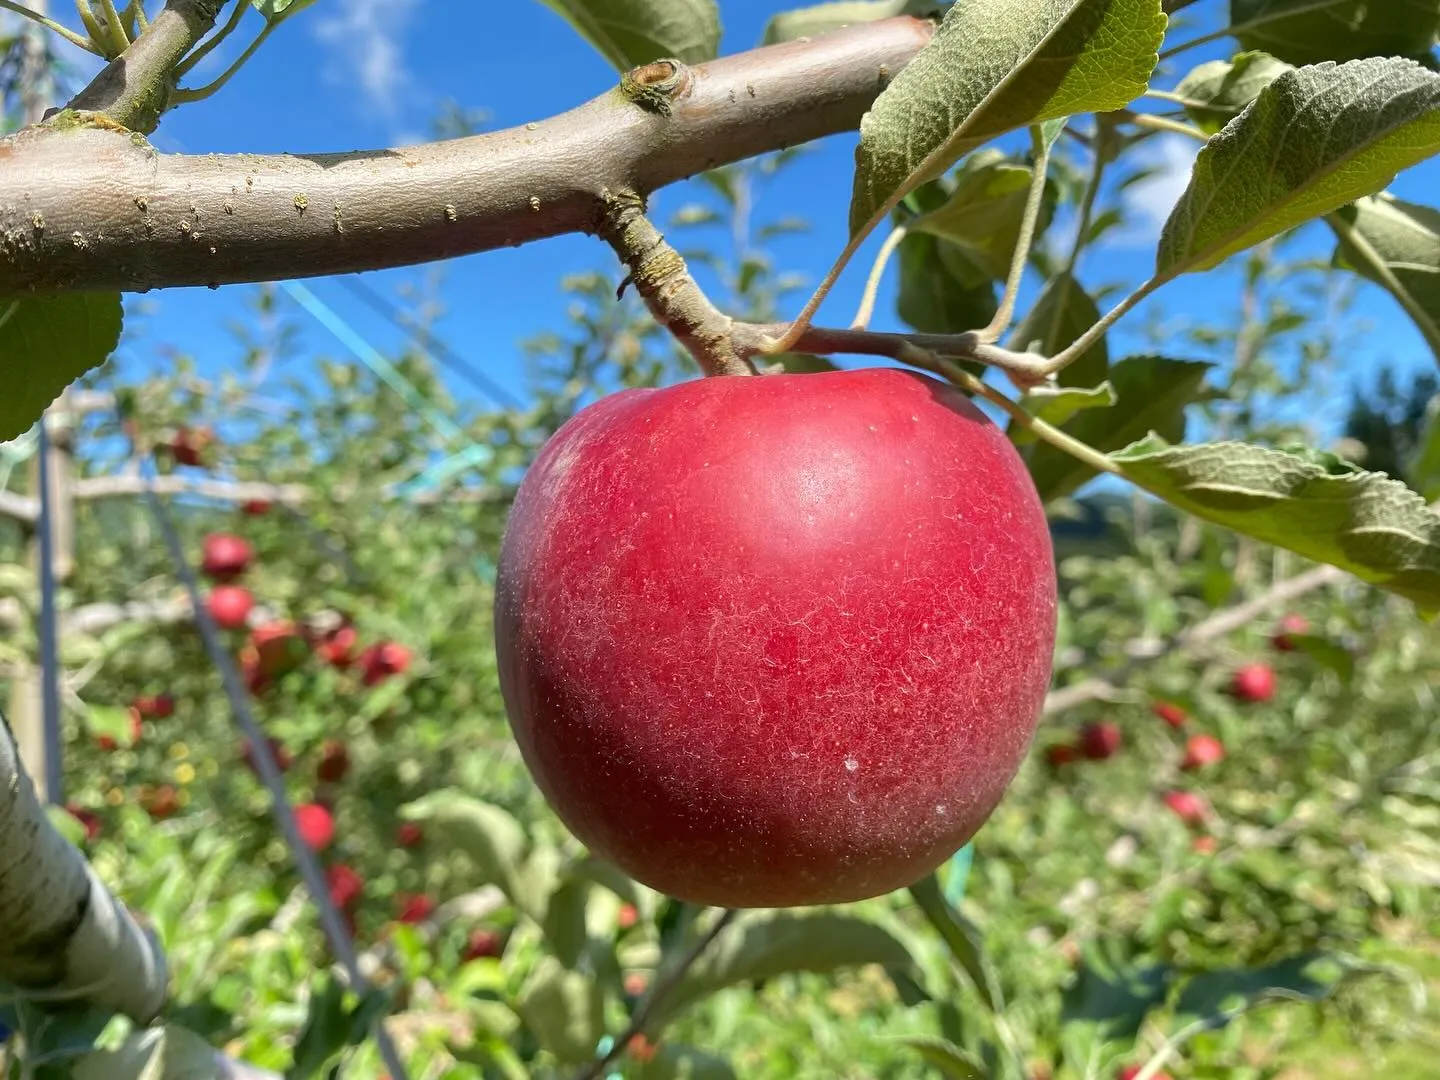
(182, 97)
(205, 47)
(50, 24)
(663, 986)
(877, 271)
(952, 371)
(1164, 123)
(786, 341)
(1377, 264)
(1020, 257)
(1232, 31)
(1077, 347)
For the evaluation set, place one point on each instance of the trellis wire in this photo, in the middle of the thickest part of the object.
(269, 770)
(49, 637)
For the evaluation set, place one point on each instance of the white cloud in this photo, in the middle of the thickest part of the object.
(1148, 202)
(367, 39)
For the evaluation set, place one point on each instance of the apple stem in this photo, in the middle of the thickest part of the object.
(662, 279)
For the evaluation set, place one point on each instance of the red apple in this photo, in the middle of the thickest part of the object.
(379, 662)
(414, 909)
(87, 818)
(160, 802)
(627, 917)
(636, 983)
(255, 507)
(1171, 713)
(1254, 683)
(1204, 845)
(1202, 750)
(1290, 624)
(483, 943)
(409, 834)
(225, 557)
(776, 640)
(188, 446)
(279, 647)
(1060, 754)
(316, 825)
(337, 648)
(230, 606)
(334, 763)
(346, 888)
(1189, 807)
(1100, 740)
(640, 1047)
(159, 707)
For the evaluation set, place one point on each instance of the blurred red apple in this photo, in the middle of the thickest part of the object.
(1060, 754)
(1254, 683)
(316, 826)
(189, 446)
(1171, 713)
(159, 802)
(627, 917)
(483, 943)
(1189, 807)
(1099, 741)
(225, 556)
(409, 834)
(379, 662)
(337, 648)
(279, 647)
(159, 707)
(334, 763)
(137, 727)
(641, 1048)
(230, 606)
(414, 909)
(346, 887)
(1290, 624)
(1202, 750)
(255, 507)
(87, 818)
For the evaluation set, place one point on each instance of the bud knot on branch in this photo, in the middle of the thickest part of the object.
(656, 85)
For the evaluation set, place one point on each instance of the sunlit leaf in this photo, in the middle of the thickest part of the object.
(1315, 139)
(46, 343)
(1216, 92)
(629, 33)
(822, 18)
(162, 1053)
(1151, 393)
(1313, 504)
(1396, 244)
(1309, 31)
(1057, 404)
(994, 67)
(563, 1009)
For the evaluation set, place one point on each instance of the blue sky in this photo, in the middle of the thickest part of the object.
(348, 74)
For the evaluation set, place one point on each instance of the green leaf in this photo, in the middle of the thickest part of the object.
(991, 68)
(563, 1009)
(1315, 139)
(163, 1053)
(1423, 469)
(629, 33)
(1151, 393)
(112, 721)
(1217, 993)
(982, 216)
(1057, 404)
(1395, 244)
(46, 343)
(1218, 91)
(961, 938)
(931, 298)
(490, 837)
(1064, 311)
(764, 944)
(1112, 991)
(1313, 504)
(1307, 31)
(822, 18)
(1326, 652)
(275, 10)
(564, 921)
(948, 1060)
(326, 1032)
(676, 1061)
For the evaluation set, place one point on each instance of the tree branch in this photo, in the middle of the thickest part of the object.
(1202, 633)
(66, 937)
(134, 89)
(89, 209)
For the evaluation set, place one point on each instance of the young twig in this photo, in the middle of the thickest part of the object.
(663, 986)
(1021, 255)
(78, 40)
(877, 271)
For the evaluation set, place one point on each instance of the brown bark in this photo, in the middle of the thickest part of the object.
(83, 208)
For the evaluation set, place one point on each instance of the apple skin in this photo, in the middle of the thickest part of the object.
(1202, 750)
(1100, 741)
(226, 556)
(230, 606)
(776, 640)
(1291, 624)
(1172, 714)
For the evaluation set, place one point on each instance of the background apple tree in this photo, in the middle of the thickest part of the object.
(1221, 857)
